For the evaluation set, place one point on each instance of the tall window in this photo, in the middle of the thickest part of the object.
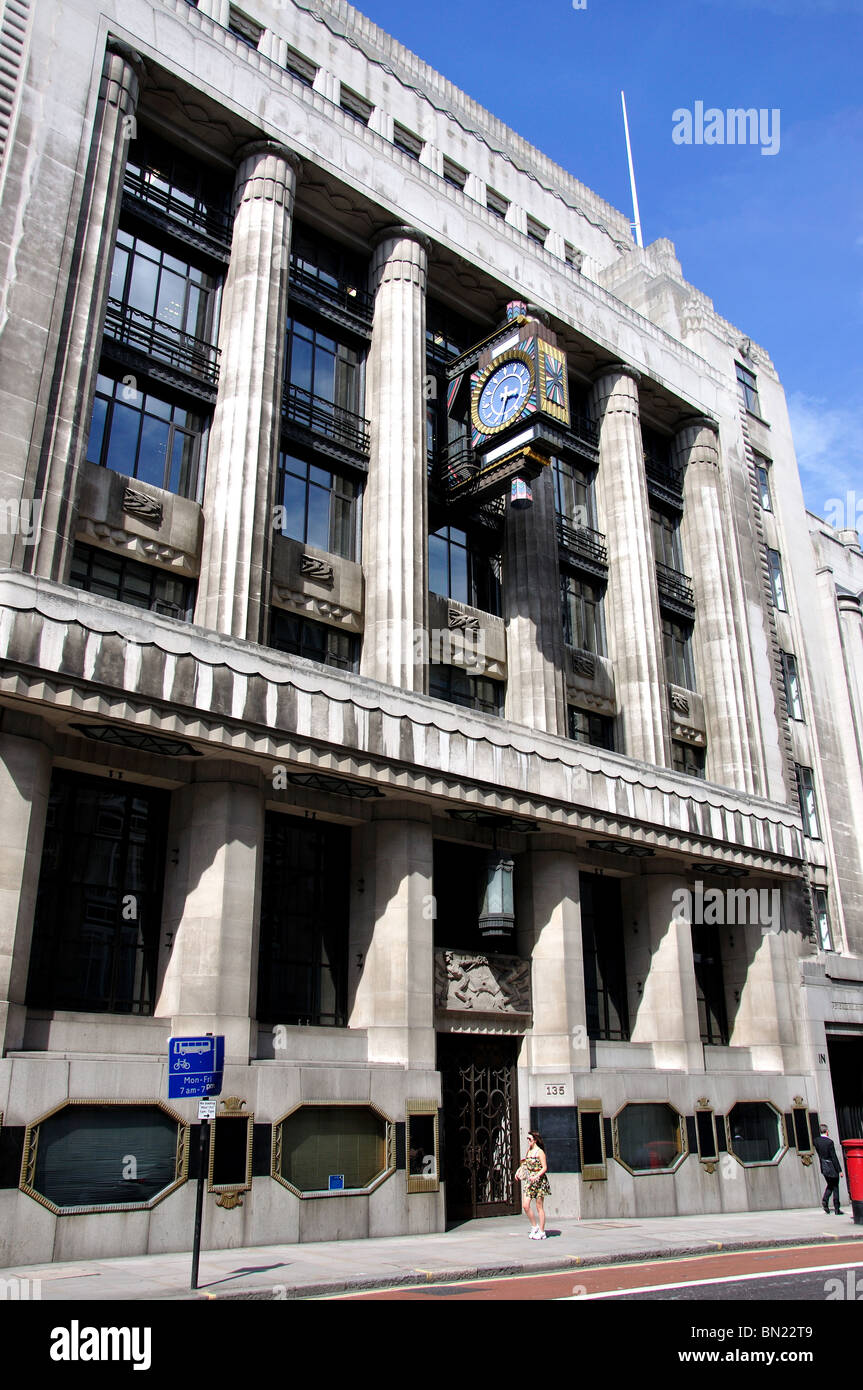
(145, 435)
(302, 971)
(666, 539)
(748, 387)
(320, 507)
(808, 802)
(574, 497)
(604, 959)
(583, 622)
(181, 186)
(762, 473)
(461, 568)
(822, 919)
(677, 646)
(709, 985)
(777, 582)
(98, 911)
(167, 287)
(319, 365)
(792, 686)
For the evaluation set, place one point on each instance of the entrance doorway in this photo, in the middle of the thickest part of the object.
(846, 1074)
(480, 1117)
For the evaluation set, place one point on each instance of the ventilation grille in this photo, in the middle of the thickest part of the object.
(13, 37)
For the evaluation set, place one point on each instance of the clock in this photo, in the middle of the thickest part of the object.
(504, 394)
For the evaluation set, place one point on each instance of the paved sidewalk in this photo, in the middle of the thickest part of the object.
(473, 1249)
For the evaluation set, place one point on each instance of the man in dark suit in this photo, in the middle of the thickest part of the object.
(830, 1168)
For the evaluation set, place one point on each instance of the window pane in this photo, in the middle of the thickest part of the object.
(123, 444)
(153, 452)
(318, 531)
(97, 430)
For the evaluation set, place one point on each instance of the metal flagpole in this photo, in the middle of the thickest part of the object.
(635, 213)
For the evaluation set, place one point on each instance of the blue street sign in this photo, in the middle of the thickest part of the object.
(195, 1067)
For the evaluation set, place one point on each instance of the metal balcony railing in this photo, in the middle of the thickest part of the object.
(582, 542)
(341, 293)
(151, 336)
(584, 429)
(180, 207)
(322, 417)
(675, 586)
(659, 469)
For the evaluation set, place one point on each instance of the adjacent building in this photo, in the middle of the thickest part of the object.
(417, 665)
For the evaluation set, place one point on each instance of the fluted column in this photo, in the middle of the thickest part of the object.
(851, 634)
(25, 784)
(549, 935)
(717, 657)
(632, 604)
(211, 907)
(536, 685)
(667, 1010)
(77, 357)
(392, 937)
(395, 524)
(233, 592)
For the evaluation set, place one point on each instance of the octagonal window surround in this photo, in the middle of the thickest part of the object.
(649, 1137)
(755, 1132)
(326, 1148)
(104, 1155)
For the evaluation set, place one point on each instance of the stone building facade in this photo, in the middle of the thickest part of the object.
(452, 816)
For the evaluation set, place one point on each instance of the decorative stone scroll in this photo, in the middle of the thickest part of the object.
(316, 569)
(143, 507)
(470, 982)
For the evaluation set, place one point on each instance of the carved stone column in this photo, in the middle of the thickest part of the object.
(55, 473)
(395, 510)
(549, 919)
(392, 937)
(536, 683)
(667, 1005)
(632, 603)
(25, 783)
(233, 592)
(704, 530)
(851, 634)
(211, 910)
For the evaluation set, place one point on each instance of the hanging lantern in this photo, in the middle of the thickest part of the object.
(520, 495)
(497, 911)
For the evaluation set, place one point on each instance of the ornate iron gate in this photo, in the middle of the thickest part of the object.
(480, 1125)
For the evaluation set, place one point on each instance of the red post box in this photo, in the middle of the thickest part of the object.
(854, 1176)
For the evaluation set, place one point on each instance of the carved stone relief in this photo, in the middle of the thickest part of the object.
(467, 982)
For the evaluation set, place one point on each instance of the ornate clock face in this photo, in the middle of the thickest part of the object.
(504, 394)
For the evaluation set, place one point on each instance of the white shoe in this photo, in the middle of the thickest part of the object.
(540, 1235)
(533, 1231)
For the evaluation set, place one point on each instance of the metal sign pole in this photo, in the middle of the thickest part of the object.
(199, 1202)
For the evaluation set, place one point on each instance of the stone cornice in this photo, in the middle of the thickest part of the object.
(65, 649)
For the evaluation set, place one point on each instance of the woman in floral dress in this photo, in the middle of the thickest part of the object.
(532, 1173)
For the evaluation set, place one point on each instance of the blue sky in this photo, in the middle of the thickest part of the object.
(776, 241)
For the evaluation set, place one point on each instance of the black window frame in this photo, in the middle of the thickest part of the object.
(793, 692)
(343, 535)
(582, 600)
(604, 959)
(340, 649)
(586, 726)
(69, 853)
(777, 580)
(688, 759)
(458, 687)
(479, 567)
(304, 921)
(747, 383)
(710, 984)
(112, 393)
(178, 601)
(677, 650)
(808, 797)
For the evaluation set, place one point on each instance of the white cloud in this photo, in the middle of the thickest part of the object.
(828, 441)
